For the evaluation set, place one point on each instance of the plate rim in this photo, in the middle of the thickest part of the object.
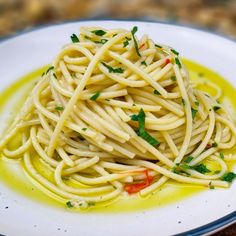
(206, 229)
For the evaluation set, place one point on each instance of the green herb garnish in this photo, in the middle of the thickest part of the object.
(175, 52)
(229, 177)
(91, 203)
(84, 129)
(69, 204)
(133, 31)
(74, 38)
(99, 32)
(49, 69)
(178, 62)
(103, 41)
(183, 101)
(188, 159)
(196, 103)
(156, 92)
(222, 156)
(113, 70)
(158, 46)
(214, 144)
(194, 112)
(59, 108)
(126, 42)
(54, 75)
(144, 63)
(95, 96)
(141, 131)
(173, 78)
(211, 186)
(201, 168)
(216, 108)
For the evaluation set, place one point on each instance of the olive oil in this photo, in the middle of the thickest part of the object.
(12, 172)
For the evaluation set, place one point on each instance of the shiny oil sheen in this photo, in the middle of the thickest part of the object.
(12, 172)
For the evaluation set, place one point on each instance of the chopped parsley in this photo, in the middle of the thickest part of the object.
(211, 186)
(214, 144)
(95, 96)
(183, 101)
(113, 70)
(43, 74)
(91, 203)
(173, 78)
(99, 32)
(229, 177)
(178, 62)
(74, 38)
(141, 131)
(133, 31)
(158, 46)
(201, 168)
(217, 172)
(196, 103)
(144, 63)
(54, 75)
(49, 69)
(69, 204)
(194, 112)
(84, 129)
(175, 52)
(176, 170)
(188, 159)
(59, 108)
(222, 156)
(216, 108)
(156, 92)
(126, 42)
(103, 41)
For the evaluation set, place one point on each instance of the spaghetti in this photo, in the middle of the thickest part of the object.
(117, 115)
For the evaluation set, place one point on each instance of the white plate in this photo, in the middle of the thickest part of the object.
(20, 55)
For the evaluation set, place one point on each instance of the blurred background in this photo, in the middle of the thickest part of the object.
(216, 15)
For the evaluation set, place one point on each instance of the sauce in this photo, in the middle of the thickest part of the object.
(19, 183)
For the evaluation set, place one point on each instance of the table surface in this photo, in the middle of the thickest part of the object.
(214, 15)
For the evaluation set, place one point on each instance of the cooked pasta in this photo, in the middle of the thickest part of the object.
(115, 115)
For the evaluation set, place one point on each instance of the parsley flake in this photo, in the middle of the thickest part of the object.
(95, 96)
(173, 78)
(175, 52)
(201, 168)
(113, 70)
(69, 204)
(133, 31)
(177, 61)
(158, 46)
(188, 159)
(222, 156)
(49, 69)
(144, 63)
(216, 108)
(99, 32)
(194, 112)
(84, 129)
(156, 92)
(59, 108)
(229, 177)
(74, 38)
(142, 132)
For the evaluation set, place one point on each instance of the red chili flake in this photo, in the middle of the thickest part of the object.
(134, 188)
(142, 46)
(167, 61)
